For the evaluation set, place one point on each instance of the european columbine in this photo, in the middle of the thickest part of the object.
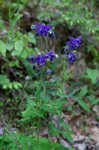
(32, 58)
(40, 60)
(67, 50)
(51, 55)
(43, 30)
(51, 34)
(71, 57)
(72, 44)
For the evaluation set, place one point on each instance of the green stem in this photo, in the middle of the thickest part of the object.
(46, 42)
(40, 102)
(41, 43)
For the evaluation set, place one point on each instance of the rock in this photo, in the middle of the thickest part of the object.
(44, 132)
(80, 146)
(64, 143)
(94, 133)
(96, 109)
(78, 139)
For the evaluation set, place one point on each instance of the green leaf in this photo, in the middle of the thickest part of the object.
(1, 104)
(28, 67)
(96, 100)
(19, 45)
(2, 48)
(83, 92)
(4, 80)
(24, 1)
(31, 38)
(16, 85)
(92, 74)
(9, 46)
(9, 86)
(14, 63)
(84, 105)
(27, 52)
(64, 125)
(93, 100)
(95, 51)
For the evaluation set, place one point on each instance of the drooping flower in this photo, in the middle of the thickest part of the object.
(71, 57)
(71, 45)
(51, 55)
(32, 58)
(40, 60)
(74, 43)
(43, 30)
(51, 34)
(67, 49)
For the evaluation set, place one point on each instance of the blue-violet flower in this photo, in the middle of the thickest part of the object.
(41, 59)
(43, 30)
(51, 55)
(71, 57)
(74, 43)
(51, 34)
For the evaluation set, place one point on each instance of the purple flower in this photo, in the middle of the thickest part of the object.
(74, 43)
(71, 57)
(32, 58)
(51, 55)
(48, 71)
(43, 29)
(51, 34)
(67, 49)
(40, 60)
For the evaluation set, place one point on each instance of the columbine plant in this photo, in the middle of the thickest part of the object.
(40, 60)
(43, 30)
(72, 45)
(40, 105)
